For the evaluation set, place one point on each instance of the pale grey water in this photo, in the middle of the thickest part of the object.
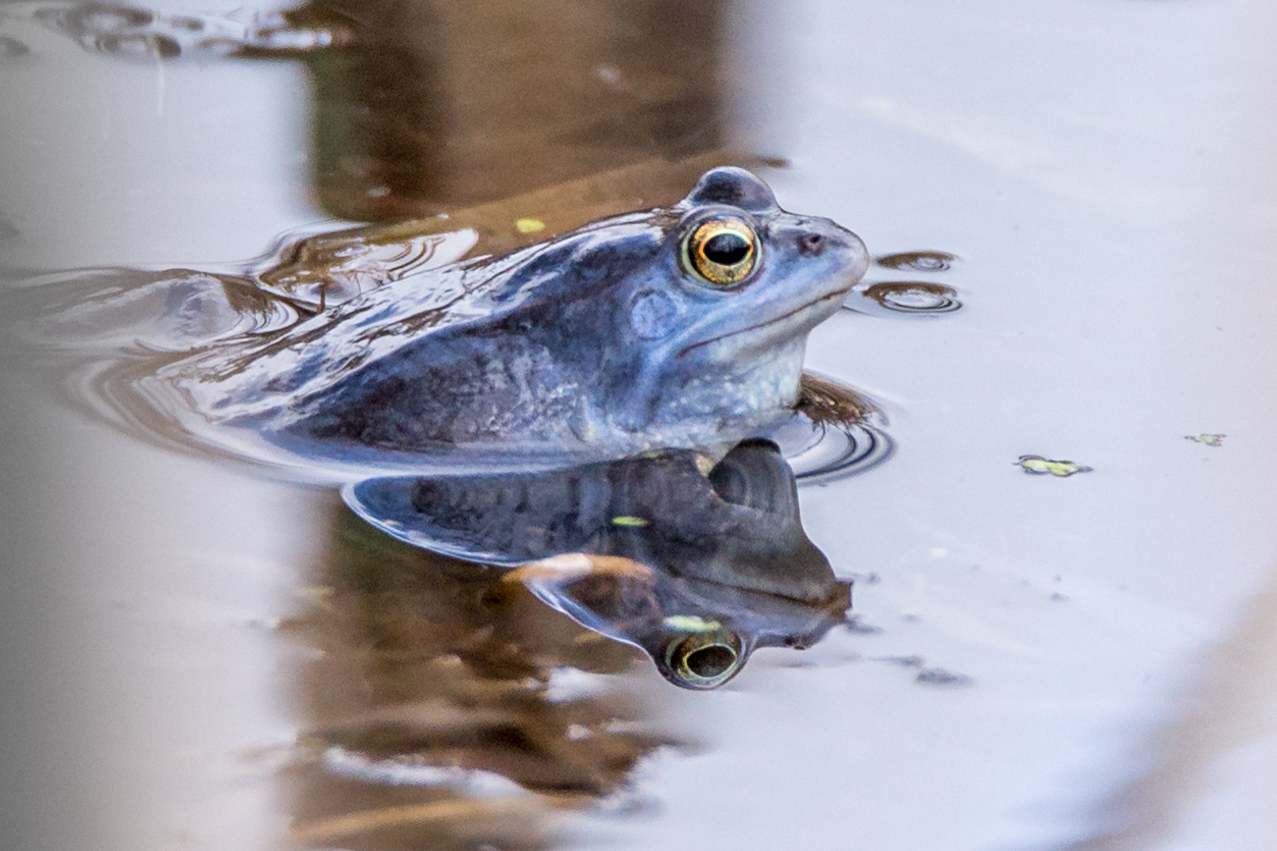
(1102, 169)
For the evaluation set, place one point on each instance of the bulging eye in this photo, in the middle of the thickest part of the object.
(704, 660)
(721, 252)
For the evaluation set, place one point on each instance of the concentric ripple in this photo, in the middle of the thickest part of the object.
(913, 298)
(918, 261)
(132, 32)
(836, 432)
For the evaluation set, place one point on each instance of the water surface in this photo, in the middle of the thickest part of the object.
(209, 657)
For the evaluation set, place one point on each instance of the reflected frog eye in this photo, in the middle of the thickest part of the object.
(704, 660)
(721, 252)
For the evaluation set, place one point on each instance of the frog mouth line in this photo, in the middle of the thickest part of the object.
(781, 318)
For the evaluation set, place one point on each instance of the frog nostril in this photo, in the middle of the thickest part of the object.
(811, 243)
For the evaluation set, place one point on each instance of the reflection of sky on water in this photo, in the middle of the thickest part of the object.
(1085, 164)
(89, 134)
(1093, 165)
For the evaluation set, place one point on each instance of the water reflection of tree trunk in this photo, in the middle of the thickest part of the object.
(433, 715)
(444, 708)
(430, 104)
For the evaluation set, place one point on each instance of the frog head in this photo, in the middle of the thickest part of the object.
(716, 326)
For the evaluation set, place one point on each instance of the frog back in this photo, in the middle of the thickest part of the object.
(471, 354)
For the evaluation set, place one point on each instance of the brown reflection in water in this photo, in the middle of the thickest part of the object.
(335, 266)
(824, 400)
(427, 715)
(424, 106)
(918, 261)
(518, 120)
(428, 105)
(916, 298)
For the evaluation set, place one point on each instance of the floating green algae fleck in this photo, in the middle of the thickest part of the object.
(1036, 465)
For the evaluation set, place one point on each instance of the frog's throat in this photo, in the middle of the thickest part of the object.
(728, 407)
(690, 347)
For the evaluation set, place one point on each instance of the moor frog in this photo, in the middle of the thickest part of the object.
(680, 327)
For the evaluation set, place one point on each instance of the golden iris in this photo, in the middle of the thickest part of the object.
(722, 252)
(705, 659)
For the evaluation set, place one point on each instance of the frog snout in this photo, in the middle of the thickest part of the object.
(816, 236)
(812, 244)
(834, 243)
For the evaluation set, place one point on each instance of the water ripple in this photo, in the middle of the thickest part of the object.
(136, 33)
(918, 261)
(836, 432)
(914, 298)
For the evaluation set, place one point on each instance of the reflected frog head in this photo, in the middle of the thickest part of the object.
(696, 563)
(698, 633)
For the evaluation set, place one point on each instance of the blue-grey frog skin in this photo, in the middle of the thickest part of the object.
(682, 327)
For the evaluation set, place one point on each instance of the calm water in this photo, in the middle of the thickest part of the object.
(1072, 212)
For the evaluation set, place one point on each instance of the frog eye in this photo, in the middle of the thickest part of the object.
(721, 252)
(704, 660)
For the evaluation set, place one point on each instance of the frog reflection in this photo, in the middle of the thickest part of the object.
(699, 634)
(697, 564)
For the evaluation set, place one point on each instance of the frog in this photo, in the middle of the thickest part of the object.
(698, 568)
(676, 327)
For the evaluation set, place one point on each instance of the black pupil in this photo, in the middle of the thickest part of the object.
(710, 661)
(726, 249)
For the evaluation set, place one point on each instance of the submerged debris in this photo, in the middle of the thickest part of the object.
(11, 48)
(943, 678)
(1036, 465)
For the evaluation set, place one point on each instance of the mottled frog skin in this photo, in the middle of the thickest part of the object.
(682, 327)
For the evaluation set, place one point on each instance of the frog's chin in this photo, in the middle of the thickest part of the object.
(769, 332)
